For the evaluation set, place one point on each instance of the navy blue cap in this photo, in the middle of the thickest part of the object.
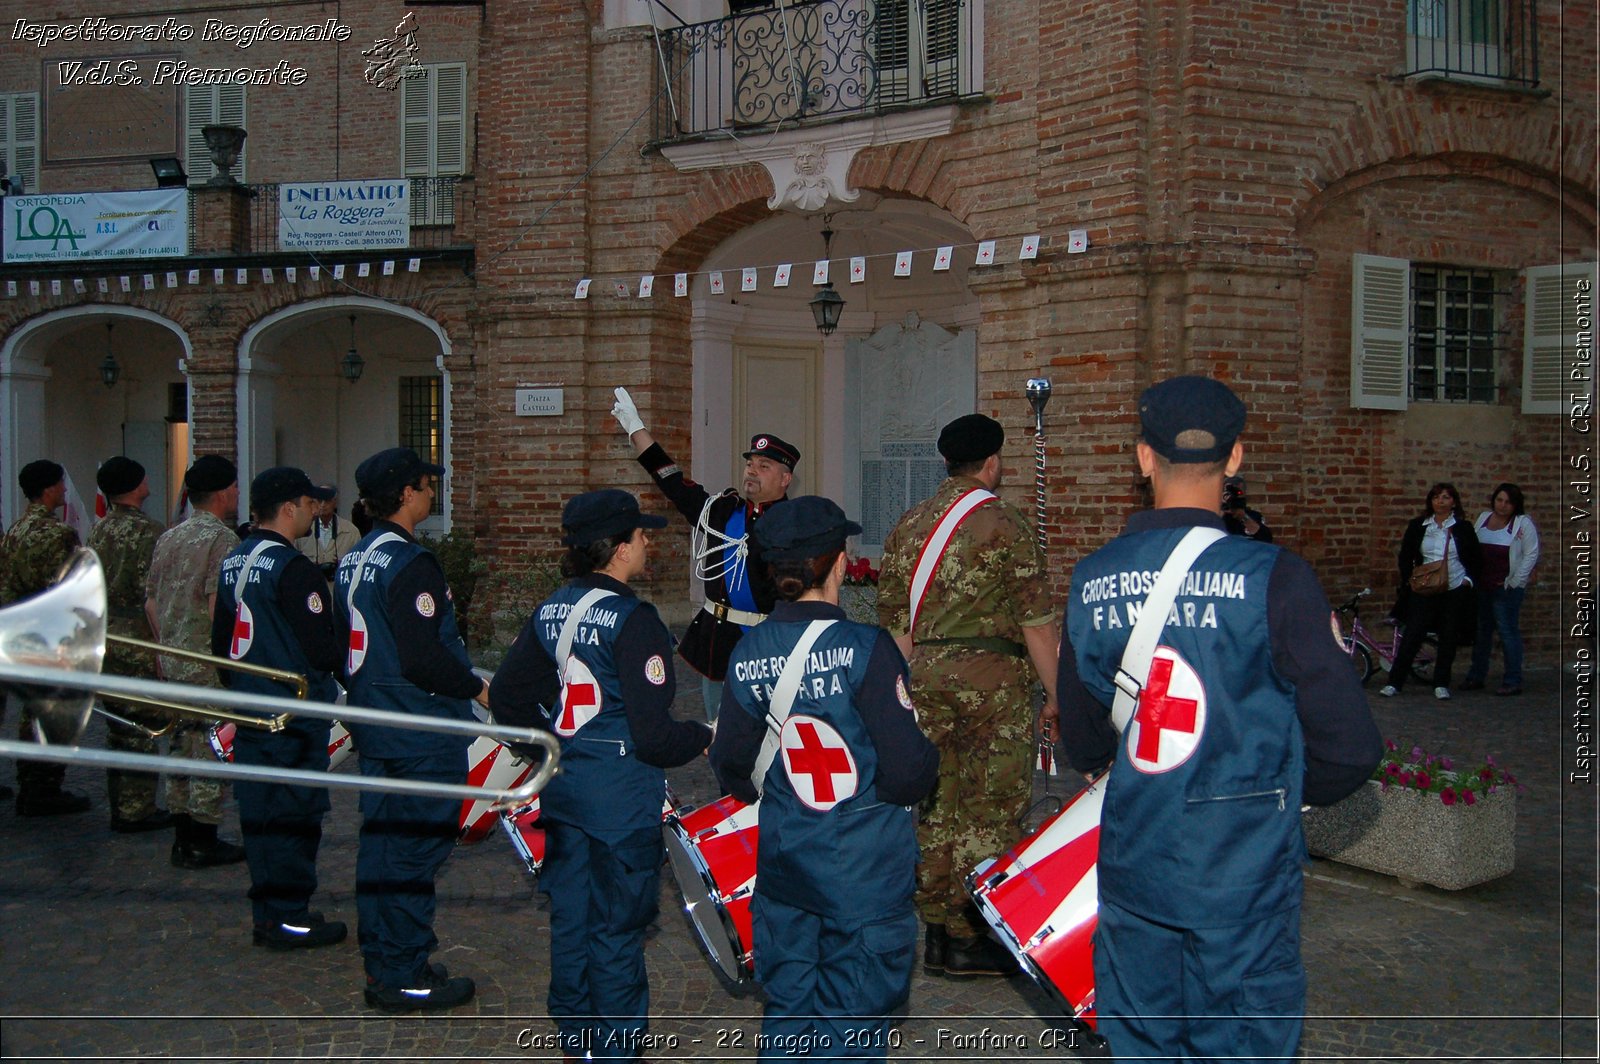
(971, 438)
(210, 472)
(273, 487)
(1191, 419)
(392, 471)
(767, 445)
(597, 515)
(807, 527)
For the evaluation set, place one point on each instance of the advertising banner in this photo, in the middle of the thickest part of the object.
(344, 215)
(80, 226)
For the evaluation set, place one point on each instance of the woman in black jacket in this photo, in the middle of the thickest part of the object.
(1440, 532)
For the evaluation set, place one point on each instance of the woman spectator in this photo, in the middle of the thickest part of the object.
(1439, 533)
(1510, 545)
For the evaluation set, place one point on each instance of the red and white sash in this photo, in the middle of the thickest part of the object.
(938, 542)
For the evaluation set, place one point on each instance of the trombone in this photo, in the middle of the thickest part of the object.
(53, 644)
(275, 723)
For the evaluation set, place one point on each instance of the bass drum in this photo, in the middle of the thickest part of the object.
(713, 855)
(1042, 900)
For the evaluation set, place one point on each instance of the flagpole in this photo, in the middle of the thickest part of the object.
(1038, 392)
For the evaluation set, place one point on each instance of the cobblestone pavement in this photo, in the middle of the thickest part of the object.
(110, 953)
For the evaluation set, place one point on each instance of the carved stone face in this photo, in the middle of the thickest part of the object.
(810, 159)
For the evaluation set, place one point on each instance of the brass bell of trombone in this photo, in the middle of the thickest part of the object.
(63, 627)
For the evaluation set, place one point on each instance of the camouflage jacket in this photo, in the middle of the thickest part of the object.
(183, 577)
(990, 585)
(33, 552)
(126, 541)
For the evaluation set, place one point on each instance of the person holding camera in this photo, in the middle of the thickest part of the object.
(329, 538)
(1239, 518)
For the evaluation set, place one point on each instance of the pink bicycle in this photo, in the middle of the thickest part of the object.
(1369, 654)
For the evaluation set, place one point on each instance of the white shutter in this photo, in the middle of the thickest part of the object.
(450, 119)
(1380, 332)
(19, 137)
(211, 105)
(1555, 295)
(416, 126)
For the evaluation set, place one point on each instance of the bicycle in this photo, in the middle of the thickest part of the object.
(1362, 647)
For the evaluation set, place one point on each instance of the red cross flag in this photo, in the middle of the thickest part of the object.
(580, 698)
(243, 632)
(818, 762)
(1171, 718)
(358, 642)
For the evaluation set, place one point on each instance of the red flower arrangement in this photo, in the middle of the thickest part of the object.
(1418, 770)
(860, 573)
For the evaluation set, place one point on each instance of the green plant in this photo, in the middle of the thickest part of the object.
(488, 598)
(1418, 770)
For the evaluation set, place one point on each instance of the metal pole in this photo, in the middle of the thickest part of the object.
(1038, 395)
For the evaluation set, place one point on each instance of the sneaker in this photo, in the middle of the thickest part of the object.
(306, 932)
(205, 854)
(1388, 690)
(435, 990)
(57, 803)
(1442, 693)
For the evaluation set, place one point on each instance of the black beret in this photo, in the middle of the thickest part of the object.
(971, 438)
(118, 476)
(807, 527)
(39, 476)
(767, 445)
(392, 471)
(597, 515)
(1190, 419)
(210, 472)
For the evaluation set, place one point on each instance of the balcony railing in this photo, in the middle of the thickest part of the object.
(812, 59)
(1493, 41)
(441, 213)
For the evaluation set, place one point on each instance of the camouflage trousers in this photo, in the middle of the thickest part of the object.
(198, 797)
(977, 708)
(132, 795)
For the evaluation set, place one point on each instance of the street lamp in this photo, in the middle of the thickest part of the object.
(352, 364)
(827, 304)
(110, 371)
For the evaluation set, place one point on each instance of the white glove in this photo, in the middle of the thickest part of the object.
(625, 412)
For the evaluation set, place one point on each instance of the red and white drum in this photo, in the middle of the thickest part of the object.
(713, 855)
(527, 836)
(489, 764)
(1042, 899)
(220, 736)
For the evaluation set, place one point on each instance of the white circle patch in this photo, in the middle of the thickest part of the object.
(358, 642)
(761, 444)
(580, 698)
(425, 605)
(655, 670)
(314, 602)
(1171, 717)
(902, 694)
(818, 762)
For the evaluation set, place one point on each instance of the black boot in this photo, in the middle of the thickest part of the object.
(979, 955)
(935, 944)
(197, 845)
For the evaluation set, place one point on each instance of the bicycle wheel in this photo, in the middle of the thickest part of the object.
(1360, 657)
(1422, 664)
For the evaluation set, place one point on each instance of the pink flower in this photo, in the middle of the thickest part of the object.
(1391, 769)
(1389, 744)
(1446, 764)
(1417, 753)
(1423, 780)
(1404, 780)
(1447, 796)
(1468, 797)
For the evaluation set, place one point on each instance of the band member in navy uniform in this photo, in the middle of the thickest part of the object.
(834, 929)
(1248, 708)
(273, 609)
(601, 661)
(405, 655)
(738, 594)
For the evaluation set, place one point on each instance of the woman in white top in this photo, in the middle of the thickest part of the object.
(1510, 546)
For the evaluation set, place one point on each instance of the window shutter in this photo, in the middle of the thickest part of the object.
(19, 137)
(450, 119)
(416, 126)
(1380, 332)
(211, 105)
(1551, 333)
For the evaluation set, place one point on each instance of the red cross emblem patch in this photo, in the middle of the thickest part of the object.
(580, 698)
(818, 762)
(244, 628)
(1171, 718)
(358, 642)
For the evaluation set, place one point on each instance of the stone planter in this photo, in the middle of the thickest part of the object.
(1416, 837)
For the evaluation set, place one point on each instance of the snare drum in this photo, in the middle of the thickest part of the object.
(1042, 899)
(490, 764)
(527, 836)
(220, 736)
(713, 854)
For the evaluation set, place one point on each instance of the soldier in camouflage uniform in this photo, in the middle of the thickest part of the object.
(181, 593)
(31, 555)
(985, 613)
(125, 540)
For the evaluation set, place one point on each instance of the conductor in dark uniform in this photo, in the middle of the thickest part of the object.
(273, 609)
(1247, 707)
(739, 594)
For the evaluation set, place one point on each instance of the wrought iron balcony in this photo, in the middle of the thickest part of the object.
(1493, 41)
(814, 59)
(441, 214)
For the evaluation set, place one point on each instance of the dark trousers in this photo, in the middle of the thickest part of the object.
(282, 823)
(1432, 613)
(831, 984)
(1236, 992)
(603, 894)
(1499, 611)
(404, 840)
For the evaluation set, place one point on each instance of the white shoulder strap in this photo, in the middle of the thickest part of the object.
(933, 550)
(783, 695)
(361, 565)
(249, 563)
(1136, 656)
(569, 630)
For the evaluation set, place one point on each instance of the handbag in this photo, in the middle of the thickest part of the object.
(1433, 578)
